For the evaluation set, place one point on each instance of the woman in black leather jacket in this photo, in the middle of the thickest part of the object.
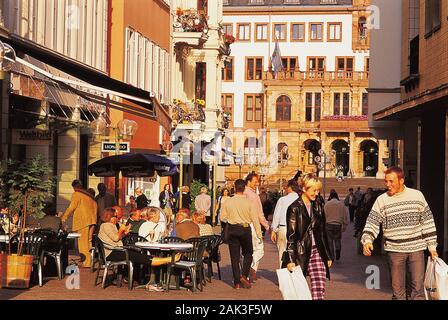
(307, 242)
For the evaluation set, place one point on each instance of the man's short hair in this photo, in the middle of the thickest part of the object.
(101, 187)
(351, 189)
(107, 214)
(184, 212)
(294, 185)
(76, 184)
(397, 170)
(250, 176)
(333, 195)
(240, 185)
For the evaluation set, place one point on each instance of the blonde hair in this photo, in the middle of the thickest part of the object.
(309, 180)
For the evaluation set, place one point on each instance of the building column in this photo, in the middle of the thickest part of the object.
(352, 151)
(213, 92)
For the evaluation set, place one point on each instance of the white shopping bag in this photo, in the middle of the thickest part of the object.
(293, 285)
(436, 280)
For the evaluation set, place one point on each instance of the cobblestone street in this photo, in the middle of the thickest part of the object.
(348, 282)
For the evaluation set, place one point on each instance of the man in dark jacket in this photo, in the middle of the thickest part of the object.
(104, 199)
(142, 201)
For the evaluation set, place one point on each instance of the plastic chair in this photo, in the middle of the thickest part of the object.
(172, 240)
(132, 238)
(213, 255)
(32, 245)
(191, 262)
(105, 264)
(54, 247)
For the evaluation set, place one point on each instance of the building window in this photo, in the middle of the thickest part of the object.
(432, 16)
(201, 80)
(316, 31)
(290, 63)
(254, 104)
(367, 65)
(344, 67)
(283, 108)
(346, 104)
(316, 67)
(336, 104)
(309, 107)
(251, 150)
(227, 71)
(317, 106)
(227, 28)
(254, 68)
(227, 103)
(365, 104)
(243, 31)
(279, 32)
(414, 55)
(282, 152)
(261, 32)
(362, 26)
(335, 31)
(297, 32)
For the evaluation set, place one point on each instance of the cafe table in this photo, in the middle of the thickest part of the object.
(171, 248)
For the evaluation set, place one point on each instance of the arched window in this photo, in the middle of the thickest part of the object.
(283, 107)
(362, 26)
(226, 151)
(282, 156)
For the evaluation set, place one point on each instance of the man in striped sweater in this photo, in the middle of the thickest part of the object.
(409, 229)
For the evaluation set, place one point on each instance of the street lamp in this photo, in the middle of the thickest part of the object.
(321, 160)
(124, 130)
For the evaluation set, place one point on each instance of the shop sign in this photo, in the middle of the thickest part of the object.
(111, 146)
(32, 137)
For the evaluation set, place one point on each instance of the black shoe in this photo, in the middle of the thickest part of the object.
(246, 284)
(237, 286)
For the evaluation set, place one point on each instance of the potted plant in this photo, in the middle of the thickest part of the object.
(27, 187)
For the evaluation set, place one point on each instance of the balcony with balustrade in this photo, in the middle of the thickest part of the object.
(190, 28)
(329, 77)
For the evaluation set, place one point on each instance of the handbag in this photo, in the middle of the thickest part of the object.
(436, 280)
(293, 285)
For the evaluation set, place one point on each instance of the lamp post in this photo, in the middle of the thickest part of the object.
(124, 130)
(284, 157)
(321, 160)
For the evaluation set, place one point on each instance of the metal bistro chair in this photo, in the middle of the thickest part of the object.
(54, 246)
(32, 245)
(105, 264)
(213, 255)
(191, 262)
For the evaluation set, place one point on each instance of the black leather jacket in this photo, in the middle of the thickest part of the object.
(297, 222)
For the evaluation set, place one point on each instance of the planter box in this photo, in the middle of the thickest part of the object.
(15, 271)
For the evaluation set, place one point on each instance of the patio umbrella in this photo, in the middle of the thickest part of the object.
(132, 165)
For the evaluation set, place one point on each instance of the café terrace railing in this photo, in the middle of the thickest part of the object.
(316, 75)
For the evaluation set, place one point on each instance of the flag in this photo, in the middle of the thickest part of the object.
(277, 59)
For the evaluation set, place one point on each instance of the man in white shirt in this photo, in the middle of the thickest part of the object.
(202, 203)
(258, 246)
(278, 225)
(151, 229)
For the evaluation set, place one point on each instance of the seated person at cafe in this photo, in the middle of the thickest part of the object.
(185, 228)
(151, 229)
(112, 237)
(120, 216)
(204, 228)
(135, 221)
(162, 219)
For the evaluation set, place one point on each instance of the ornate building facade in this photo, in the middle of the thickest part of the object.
(318, 100)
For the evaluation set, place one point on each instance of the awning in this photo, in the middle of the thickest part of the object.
(78, 70)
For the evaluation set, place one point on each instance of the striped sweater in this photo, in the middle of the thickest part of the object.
(408, 224)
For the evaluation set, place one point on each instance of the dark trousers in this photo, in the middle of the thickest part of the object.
(399, 264)
(334, 233)
(134, 256)
(208, 220)
(240, 242)
(351, 210)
